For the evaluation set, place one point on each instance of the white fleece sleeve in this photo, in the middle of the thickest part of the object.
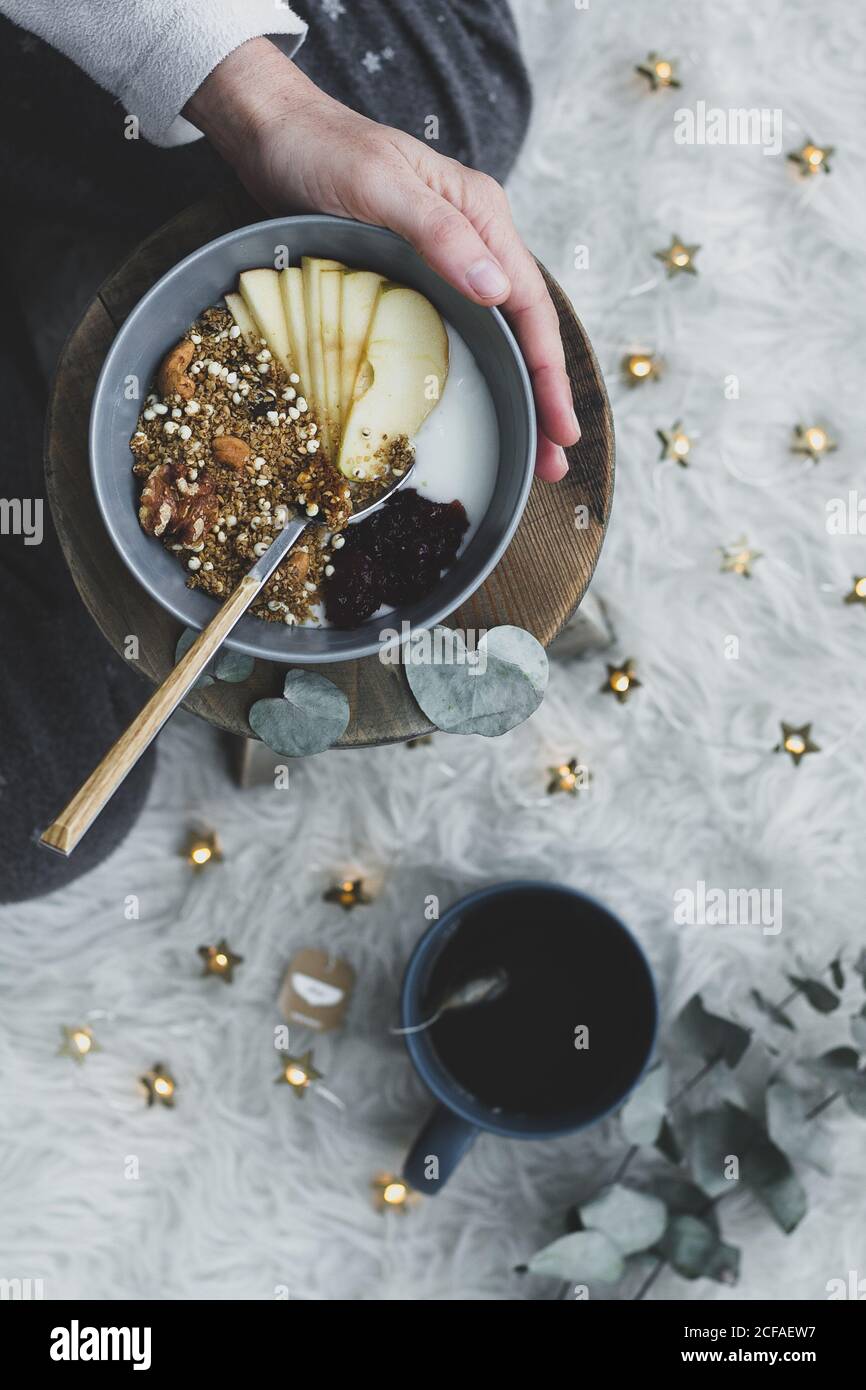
(153, 54)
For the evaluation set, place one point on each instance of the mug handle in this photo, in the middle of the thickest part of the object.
(445, 1137)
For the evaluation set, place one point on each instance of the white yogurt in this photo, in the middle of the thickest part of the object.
(457, 447)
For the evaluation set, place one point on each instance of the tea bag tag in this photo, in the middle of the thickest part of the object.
(316, 990)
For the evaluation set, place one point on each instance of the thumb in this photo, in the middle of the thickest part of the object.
(445, 239)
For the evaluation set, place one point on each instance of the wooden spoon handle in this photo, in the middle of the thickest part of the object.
(65, 832)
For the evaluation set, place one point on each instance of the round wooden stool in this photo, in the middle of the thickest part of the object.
(537, 584)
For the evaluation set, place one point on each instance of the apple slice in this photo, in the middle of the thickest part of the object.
(400, 378)
(312, 266)
(243, 318)
(360, 292)
(292, 289)
(330, 285)
(261, 293)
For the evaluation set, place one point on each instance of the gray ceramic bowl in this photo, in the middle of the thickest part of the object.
(163, 316)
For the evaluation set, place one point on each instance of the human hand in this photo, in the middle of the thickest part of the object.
(297, 149)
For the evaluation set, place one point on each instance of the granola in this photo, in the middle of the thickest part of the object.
(227, 449)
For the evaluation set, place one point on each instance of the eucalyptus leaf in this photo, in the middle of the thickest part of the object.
(683, 1198)
(858, 1029)
(714, 1136)
(819, 995)
(710, 1035)
(788, 1126)
(486, 692)
(772, 1010)
(632, 1220)
(232, 667)
(860, 966)
(719, 1136)
(836, 973)
(667, 1144)
(769, 1174)
(841, 1068)
(695, 1251)
(583, 1257)
(644, 1111)
(310, 717)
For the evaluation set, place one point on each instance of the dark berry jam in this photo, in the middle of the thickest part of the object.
(395, 556)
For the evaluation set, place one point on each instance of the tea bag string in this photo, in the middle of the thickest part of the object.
(481, 990)
(419, 1027)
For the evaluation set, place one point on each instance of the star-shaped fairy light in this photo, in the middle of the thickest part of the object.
(568, 777)
(812, 159)
(220, 960)
(621, 680)
(676, 444)
(299, 1073)
(391, 1192)
(202, 849)
(348, 893)
(638, 367)
(659, 72)
(797, 742)
(858, 590)
(159, 1085)
(78, 1043)
(738, 558)
(812, 440)
(678, 258)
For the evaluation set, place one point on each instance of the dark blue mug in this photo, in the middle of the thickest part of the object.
(611, 981)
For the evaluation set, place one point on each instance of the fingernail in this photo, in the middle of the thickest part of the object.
(486, 279)
(563, 459)
(576, 424)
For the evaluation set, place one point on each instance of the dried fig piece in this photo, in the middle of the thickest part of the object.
(171, 379)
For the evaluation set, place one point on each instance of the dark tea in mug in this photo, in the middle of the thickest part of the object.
(565, 1039)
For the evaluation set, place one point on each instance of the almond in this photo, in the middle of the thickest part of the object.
(298, 562)
(231, 451)
(171, 379)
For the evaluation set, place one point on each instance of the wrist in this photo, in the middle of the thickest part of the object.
(252, 86)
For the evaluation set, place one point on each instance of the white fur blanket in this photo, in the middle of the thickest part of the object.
(242, 1189)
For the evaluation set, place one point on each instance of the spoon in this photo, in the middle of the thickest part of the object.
(77, 817)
